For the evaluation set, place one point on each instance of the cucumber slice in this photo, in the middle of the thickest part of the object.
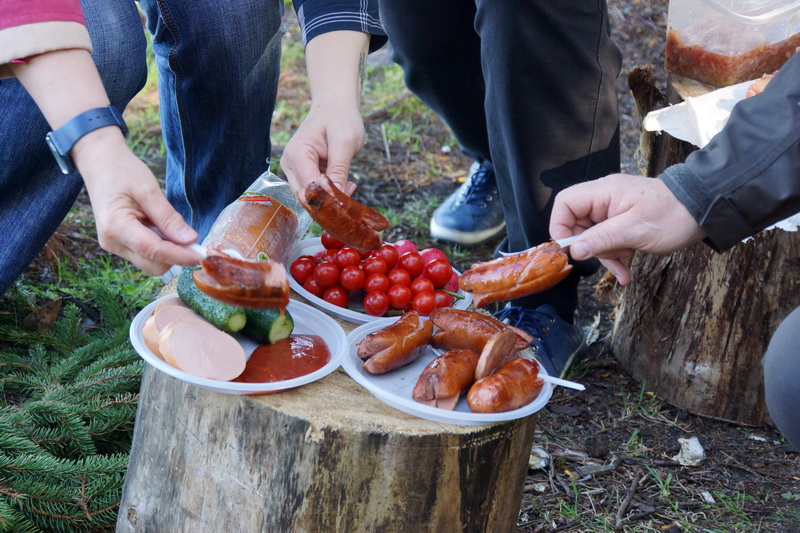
(225, 317)
(268, 325)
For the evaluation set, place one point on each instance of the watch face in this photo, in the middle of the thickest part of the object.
(64, 161)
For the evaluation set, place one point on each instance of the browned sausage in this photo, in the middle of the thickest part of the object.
(516, 384)
(515, 276)
(349, 221)
(383, 338)
(500, 349)
(406, 345)
(444, 379)
(253, 284)
(470, 330)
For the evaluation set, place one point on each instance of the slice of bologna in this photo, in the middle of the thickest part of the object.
(200, 349)
(161, 318)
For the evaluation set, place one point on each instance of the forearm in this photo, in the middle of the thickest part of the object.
(64, 84)
(336, 67)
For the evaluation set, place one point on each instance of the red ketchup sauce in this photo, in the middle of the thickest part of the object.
(286, 359)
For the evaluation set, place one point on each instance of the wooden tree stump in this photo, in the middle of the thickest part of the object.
(327, 456)
(695, 324)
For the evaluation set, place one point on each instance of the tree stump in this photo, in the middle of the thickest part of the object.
(695, 324)
(327, 456)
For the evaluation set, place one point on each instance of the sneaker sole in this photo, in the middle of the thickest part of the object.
(466, 238)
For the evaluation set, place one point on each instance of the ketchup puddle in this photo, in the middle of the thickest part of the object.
(285, 359)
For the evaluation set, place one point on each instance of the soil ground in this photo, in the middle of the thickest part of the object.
(608, 449)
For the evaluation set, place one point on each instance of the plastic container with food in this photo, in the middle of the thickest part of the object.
(724, 42)
(265, 221)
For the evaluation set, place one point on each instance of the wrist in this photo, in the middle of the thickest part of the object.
(64, 141)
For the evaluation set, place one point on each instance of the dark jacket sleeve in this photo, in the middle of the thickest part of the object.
(748, 176)
(321, 16)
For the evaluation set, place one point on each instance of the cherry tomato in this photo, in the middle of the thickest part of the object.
(376, 303)
(329, 255)
(442, 299)
(375, 265)
(376, 282)
(313, 287)
(452, 285)
(429, 254)
(421, 285)
(336, 295)
(318, 256)
(404, 245)
(439, 272)
(347, 256)
(399, 296)
(302, 267)
(423, 303)
(351, 278)
(326, 274)
(389, 254)
(412, 263)
(398, 276)
(330, 242)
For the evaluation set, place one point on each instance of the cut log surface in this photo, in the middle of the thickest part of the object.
(327, 456)
(694, 325)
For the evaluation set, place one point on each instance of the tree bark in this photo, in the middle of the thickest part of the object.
(693, 325)
(327, 456)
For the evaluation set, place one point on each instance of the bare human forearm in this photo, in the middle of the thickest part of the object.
(333, 132)
(124, 193)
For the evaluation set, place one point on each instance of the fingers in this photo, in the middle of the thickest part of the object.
(618, 269)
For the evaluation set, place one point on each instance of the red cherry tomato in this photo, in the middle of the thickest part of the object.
(313, 287)
(398, 276)
(336, 295)
(330, 242)
(399, 296)
(389, 254)
(452, 285)
(412, 263)
(352, 278)
(376, 282)
(329, 255)
(423, 303)
(302, 267)
(326, 274)
(375, 265)
(429, 254)
(439, 272)
(376, 303)
(347, 256)
(404, 245)
(421, 285)
(318, 256)
(442, 299)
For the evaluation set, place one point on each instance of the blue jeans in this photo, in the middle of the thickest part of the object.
(218, 65)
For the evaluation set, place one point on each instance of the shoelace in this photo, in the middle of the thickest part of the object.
(481, 185)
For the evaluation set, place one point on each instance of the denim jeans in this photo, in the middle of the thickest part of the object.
(529, 88)
(218, 65)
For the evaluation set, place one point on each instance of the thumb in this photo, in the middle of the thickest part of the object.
(169, 222)
(608, 240)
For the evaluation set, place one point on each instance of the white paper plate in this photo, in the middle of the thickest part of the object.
(312, 246)
(394, 388)
(307, 320)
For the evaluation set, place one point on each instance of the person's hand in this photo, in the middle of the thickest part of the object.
(126, 198)
(758, 86)
(620, 214)
(325, 143)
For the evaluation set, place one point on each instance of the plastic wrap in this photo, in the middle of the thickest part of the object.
(264, 222)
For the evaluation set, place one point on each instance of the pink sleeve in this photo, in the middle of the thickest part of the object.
(21, 12)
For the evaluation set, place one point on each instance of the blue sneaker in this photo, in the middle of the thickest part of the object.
(556, 343)
(473, 214)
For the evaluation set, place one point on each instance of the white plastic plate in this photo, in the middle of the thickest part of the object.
(394, 388)
(312, 246)
(307, 320)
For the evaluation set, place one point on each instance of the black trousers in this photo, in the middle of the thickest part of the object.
(527, 86)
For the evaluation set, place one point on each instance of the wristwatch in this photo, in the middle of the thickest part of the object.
(64, 138)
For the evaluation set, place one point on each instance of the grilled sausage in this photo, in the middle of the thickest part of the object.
(444, 379)
(516, 384)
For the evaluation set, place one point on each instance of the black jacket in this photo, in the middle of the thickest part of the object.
(748, 176)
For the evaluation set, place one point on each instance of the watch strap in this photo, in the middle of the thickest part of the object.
(65, 137)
